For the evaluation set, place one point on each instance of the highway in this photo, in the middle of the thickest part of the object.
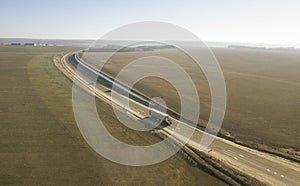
(266, 168)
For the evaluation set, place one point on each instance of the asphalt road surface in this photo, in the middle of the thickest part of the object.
(267, 168)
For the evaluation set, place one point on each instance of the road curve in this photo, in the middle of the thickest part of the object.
(267, 168)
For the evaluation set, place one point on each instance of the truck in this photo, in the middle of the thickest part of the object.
(159, 116)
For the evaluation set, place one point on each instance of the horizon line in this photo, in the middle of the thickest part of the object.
(208, 41)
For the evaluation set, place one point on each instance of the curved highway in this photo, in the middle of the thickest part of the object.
(266, 168)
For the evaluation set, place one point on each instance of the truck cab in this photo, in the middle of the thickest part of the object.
(160, 117)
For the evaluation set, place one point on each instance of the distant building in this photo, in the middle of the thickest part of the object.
(1, 44)
(29, 44)
(15, 44)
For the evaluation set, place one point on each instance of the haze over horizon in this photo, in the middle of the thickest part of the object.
(265, 22)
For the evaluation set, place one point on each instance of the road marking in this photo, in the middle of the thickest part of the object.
(228, 154)
(235, 158)
(236, 153)
(245, 160)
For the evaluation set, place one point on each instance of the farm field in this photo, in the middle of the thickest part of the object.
(263, 91)
(41, 144)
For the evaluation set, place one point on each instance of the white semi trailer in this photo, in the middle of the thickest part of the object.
(159, 116)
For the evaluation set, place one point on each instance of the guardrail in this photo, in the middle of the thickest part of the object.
(113, 82)
(137, 96)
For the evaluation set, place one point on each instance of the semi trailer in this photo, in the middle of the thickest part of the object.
(159, 117)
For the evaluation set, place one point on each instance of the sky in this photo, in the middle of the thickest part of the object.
(255, 21)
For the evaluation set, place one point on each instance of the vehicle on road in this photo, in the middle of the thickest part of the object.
(160, 117)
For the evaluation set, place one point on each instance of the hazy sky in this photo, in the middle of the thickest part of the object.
(258, 21)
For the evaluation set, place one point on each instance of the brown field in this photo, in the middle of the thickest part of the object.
(41, 144)
(263, 88)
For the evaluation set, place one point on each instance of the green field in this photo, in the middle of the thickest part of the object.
(263, 88)
(41, 144)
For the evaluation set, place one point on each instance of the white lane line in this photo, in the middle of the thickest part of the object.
(275, 173)
(228, 154)
(235, 158)
(268, 170)
(282, 176)
(240, 155)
